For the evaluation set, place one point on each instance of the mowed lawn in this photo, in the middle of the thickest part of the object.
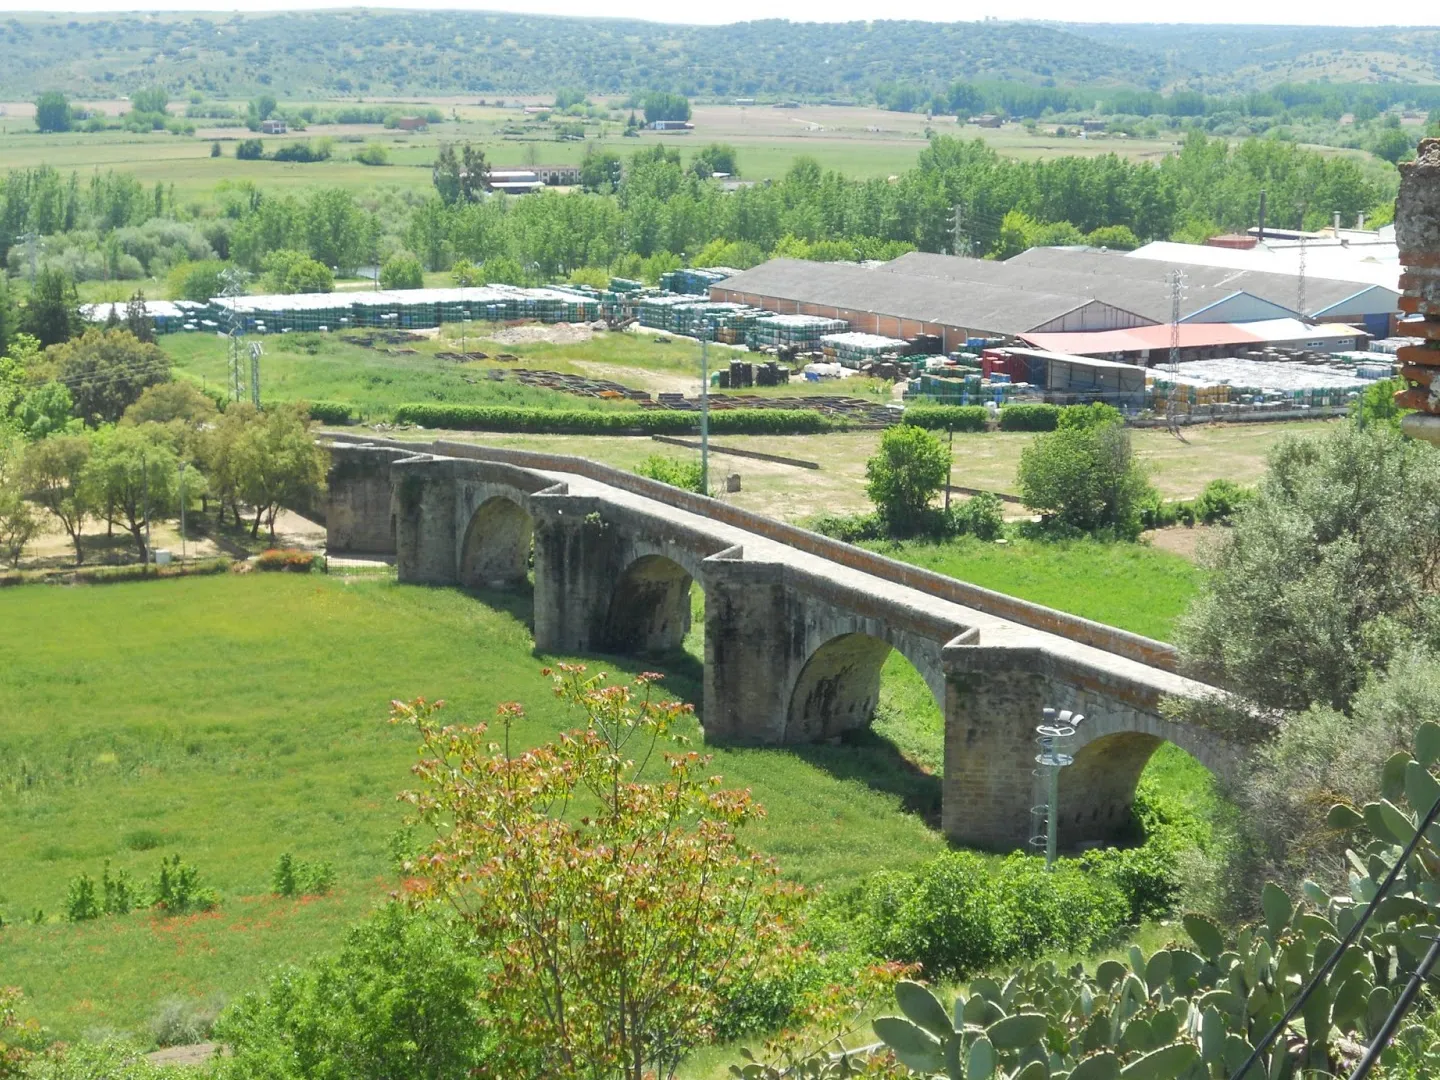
(231, 719)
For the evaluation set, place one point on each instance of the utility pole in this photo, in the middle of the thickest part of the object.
(959, 244)
(1177, 291)
(256, 351)
(704, 412)
(145, 503)
(232, 289)
(182, 510)
(949, 468)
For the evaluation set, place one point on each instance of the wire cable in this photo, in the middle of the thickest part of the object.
(1323, 971)
(1402, 1006)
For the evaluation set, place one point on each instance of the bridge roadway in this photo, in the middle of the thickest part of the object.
(797, 626)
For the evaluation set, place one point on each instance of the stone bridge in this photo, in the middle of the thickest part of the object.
(797, 626)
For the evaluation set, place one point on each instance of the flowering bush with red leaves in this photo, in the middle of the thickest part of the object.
(616, 911)
(289, 559)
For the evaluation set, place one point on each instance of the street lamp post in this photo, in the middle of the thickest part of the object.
(704, 412)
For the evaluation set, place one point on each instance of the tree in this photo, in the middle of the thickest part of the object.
(152, 99)
(276, 463)
(460, 178)
(402, 271)
(904, 475)
(660, 105)
(52, 112)
(45, 409)
(1116, 237)
(716, 158)
(52, 313)
(290, 271)
(600, 170)
(18, 522)
(137, 318)
(200, 281)
(106, 371)
(1392, 144)
(1085, 478)
(398, 1000)
(9, 314)
(249, 150)
(1328, 572)
(170, 402)
(609, 934)
(259, 110)
(215, 150)
(53, 472)
(133, 474)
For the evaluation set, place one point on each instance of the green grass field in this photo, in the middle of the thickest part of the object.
(232, 718)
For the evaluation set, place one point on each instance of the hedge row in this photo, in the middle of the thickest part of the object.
(106, 575)
(948, 417)
(612, 421)
(1029, 417)
(331, 412)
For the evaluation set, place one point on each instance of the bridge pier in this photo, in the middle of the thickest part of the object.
(746, 660)
(425, 503)
(574, 573)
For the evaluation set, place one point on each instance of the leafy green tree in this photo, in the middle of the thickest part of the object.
(660, 105)
(249, 150)
(1330, 570)
(600, 170)
(1376, 404)
(465, 274)
(1085, 478)
(905, 474)
(137, 318)
(259, 110)
(132, 475)
(716, 158)
(9, 313)
(1392, 144)
(460, 177)
(106, 371)
(52, 312)
(18, 521)
(274, 462)
(596, 964)
(199, 281)
(44, 410)
(53, 472)
(52, 112)
(402, 271)
(398, 999)
(152, 99)
(291, 271)
(338, 232)
(1115, 237)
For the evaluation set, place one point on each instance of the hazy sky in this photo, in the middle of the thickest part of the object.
(1308, 12)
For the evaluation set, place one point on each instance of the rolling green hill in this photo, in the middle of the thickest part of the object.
(337, 53)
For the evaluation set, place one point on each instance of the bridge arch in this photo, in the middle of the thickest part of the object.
(1097, 792)
(838, 687)
(495, 550)
(649, 607)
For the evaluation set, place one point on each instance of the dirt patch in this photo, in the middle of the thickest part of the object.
(194, 1054)
(657, 382)
(1185, 541)
(546, 333)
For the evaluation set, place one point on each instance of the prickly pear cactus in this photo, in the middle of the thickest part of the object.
(1196, 1011)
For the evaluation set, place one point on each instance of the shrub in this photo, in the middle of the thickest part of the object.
(1096, 414)
(82, 902)
(611, 421)
(1085, 479)
(289, 560)
(399, 999)
(302, 152)
(249, 150)
(851, 528)
(330, 412)
(118, 895)
(1221, 501)
(673, 471)
(981, 516)
(402, 271)
(1029, 417)
(295, 877)
(198, 281)
(177, 889)
(954, 916)
(179, 1022)
(948, 417)
(372, 154)
(904, 475)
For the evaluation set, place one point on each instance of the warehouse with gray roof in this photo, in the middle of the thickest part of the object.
(1044, 290)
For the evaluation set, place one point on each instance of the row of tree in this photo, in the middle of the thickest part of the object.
(94, 428)
(655, 204)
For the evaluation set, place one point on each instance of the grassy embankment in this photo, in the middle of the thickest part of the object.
(230, 719)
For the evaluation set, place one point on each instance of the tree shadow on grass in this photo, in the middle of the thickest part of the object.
(876, 762)
(518, 601)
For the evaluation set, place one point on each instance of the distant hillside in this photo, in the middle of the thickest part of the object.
(313, 54)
